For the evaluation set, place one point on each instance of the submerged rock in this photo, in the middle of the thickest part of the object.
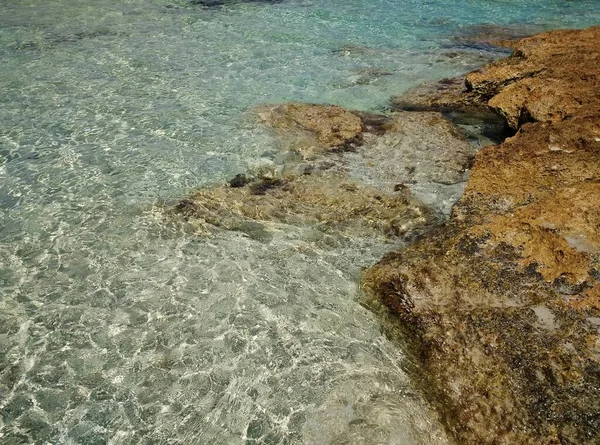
(50, 40)
(500, 305)
(216, 3)
(367, 76)
(479, 121)
(329, 201)
(443, 95)
(423, 152)
(495, 35)
(407, 170)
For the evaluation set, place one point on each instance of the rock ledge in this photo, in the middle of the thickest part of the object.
(501, 305)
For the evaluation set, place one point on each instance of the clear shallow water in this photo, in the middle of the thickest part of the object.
(116, 327)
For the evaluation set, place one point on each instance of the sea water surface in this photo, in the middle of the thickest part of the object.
(118, 327)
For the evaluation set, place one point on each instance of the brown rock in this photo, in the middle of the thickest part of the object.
(539, 160)
(558, 235)
(331, 202)
(442, 95)
(317, 127)
(501, 356)
(501, 305)
(550, 77)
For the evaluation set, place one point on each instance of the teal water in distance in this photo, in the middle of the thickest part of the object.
(117, 327)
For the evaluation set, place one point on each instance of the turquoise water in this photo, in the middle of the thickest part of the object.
(118, 327)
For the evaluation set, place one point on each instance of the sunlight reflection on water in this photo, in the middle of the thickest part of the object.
(116, 327)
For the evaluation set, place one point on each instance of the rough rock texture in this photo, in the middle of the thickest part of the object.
(547, 78)
(501, 305)
(315, 127)
(331, 202)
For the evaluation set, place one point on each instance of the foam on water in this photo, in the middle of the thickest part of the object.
(116, 327)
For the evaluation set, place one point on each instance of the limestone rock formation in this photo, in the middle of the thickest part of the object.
(501, 304)
(314, 127)
(548, 78)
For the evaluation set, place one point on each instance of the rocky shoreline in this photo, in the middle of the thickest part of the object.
(501, 305)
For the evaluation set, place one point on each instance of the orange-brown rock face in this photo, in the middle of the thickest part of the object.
(502, 304)
(549, 78)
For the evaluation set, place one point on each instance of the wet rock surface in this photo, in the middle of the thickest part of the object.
(479, 122)
(500, 305)
(422, 152)
(311, 127)
(444, 95)
(549, 78)
(329, 202)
